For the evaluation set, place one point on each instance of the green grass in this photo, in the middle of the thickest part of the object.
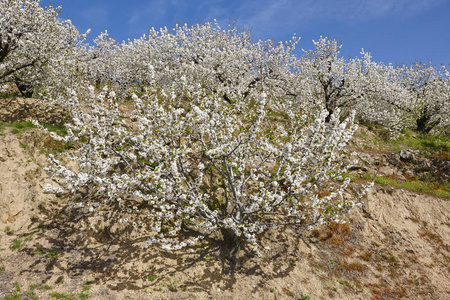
(59, 130)
(276, 114)
(17, 286)
(22, 125)
(30, 294)
(10, 94)
(431, 188)
(16, 245)
(407, 139)
(18, 127)
(45, 287)
(423, 141)
(426, 143)
(52, 253)
(14, 296)
(207, 258)
(37, 252)
(61, 296)
(50, 147)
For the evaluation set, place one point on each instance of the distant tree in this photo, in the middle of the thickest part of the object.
(332, 79)
(32, 42)
(415, 96)
(429, 103)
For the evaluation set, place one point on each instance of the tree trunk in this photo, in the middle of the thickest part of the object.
(25, 89)
(232, 244)
(424, 123)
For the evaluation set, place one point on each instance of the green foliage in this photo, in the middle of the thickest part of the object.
(86, 288)
(18, 127)
(275, 114)
(62, 296)
(9, 94)
(17, 243)
(58, 129)
(172, 285)
(52, 253)
(22, 125)
(37, 252)
(14, 296)
(17, 286)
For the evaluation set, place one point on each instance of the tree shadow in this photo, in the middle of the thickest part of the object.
(122, 264)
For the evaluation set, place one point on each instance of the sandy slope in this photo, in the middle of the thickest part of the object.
(396, 246)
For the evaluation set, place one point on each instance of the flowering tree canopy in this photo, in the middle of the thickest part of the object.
(208, 165)
(33, 44)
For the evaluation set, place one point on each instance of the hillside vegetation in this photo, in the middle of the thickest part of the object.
(394, 246)
(196, 162)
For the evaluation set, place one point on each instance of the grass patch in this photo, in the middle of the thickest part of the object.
(17, 286)
(207, 258)
(16, 245)
(14, 296)
(421, 141)
(275, 114)
(17, 127)
(61, 296)
(37, 252)
(52, 253)
(385, 140)
(436, 189)
(22, 125)
(10, 94)
(45, 287)
(59, 130)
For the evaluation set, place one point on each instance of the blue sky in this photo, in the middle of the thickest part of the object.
(394, 31)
